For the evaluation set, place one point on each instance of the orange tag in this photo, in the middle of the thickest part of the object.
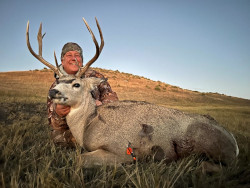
(129, 151)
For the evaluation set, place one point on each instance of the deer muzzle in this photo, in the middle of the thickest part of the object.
(57, 96)
(53, 93)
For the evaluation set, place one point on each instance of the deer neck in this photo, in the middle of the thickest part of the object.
(79, 116)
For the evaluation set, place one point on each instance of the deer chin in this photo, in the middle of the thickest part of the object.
(61, 100)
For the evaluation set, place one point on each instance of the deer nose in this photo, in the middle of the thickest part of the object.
(52, 93)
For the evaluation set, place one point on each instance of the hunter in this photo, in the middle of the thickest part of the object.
(72, 60)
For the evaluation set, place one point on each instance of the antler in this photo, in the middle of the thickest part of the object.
(98, 48)
(39, 57)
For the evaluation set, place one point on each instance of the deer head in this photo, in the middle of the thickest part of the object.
(81, 70)
(74, 91)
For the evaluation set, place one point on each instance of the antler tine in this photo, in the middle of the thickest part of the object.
(101, 36)
(56, 60)
(39, 57)
(98, 49)
(39, 39)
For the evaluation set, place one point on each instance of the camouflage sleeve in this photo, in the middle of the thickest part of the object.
(104, 92)
(55, 121)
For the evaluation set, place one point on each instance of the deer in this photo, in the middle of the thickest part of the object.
(127, 131)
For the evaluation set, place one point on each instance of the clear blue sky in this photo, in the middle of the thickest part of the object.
(201, 45)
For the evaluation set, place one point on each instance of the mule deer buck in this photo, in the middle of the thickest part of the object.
(110, 132)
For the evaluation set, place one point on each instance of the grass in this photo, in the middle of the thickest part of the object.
(28, 158)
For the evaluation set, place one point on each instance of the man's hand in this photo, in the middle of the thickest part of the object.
(62, 110)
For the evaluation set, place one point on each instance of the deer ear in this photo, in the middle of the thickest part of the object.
(94, 82)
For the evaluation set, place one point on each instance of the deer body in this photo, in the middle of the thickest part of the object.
(152, 130)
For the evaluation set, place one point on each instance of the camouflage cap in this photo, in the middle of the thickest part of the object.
(71, 46)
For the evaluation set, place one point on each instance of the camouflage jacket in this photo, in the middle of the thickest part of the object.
(103, 93)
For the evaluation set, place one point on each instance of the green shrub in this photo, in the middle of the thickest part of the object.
(157, 88)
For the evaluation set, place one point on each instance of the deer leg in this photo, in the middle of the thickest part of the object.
(99, 157)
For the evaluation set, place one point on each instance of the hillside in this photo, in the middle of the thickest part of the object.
(34, 85)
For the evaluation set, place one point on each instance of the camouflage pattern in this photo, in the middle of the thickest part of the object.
(61, 134)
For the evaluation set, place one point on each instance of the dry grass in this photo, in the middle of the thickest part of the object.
(25, 86)
(29, 159)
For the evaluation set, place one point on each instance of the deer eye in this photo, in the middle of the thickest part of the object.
(76, 85)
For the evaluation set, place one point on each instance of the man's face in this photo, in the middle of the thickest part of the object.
(71, 62)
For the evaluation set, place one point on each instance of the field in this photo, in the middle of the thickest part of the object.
(28, 158)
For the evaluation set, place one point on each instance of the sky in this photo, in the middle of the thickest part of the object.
(200, 45)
